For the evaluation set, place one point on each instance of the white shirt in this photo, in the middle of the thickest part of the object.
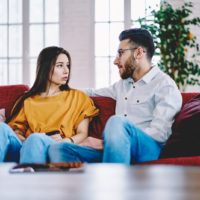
(151, 103)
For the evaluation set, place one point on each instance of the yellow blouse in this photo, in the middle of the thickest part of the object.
(62, 112)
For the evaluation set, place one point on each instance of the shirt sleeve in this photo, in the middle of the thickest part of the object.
(168, 101)
(86, 110)
(106, 92)
(19, 122)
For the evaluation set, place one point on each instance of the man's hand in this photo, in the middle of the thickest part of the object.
(93, 143)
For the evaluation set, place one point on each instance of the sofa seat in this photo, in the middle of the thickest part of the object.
(183, 146)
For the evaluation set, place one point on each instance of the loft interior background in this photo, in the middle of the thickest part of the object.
(88, 29)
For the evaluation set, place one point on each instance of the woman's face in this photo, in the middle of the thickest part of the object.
(60, 71)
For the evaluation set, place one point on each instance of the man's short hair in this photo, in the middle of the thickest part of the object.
(141, 37)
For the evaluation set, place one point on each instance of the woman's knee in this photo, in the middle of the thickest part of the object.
(5, 129)
(35, 139)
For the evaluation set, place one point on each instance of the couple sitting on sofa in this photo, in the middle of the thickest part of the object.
(147, 101)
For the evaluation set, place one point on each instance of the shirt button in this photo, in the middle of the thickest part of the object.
(138, 101)
(125, 115)
(125, 98)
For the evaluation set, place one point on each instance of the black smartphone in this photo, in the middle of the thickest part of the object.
(52, 133)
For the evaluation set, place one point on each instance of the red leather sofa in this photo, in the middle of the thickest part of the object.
(182, 148)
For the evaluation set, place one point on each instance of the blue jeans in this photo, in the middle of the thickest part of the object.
(10, 144)
(123, 143)
(126, 143)
(33, 150)
(69, 152)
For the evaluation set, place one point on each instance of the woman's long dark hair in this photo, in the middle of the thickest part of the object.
(45, 63)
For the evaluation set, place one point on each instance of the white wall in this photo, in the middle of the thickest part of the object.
(77, 36)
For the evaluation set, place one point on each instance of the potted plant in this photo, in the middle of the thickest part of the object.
(175, 43)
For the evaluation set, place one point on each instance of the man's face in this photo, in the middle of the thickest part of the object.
(125, 59)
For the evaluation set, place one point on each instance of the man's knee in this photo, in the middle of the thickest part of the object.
(115, 120)
(115, 127)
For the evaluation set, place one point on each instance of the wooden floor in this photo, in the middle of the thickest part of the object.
(103, 181)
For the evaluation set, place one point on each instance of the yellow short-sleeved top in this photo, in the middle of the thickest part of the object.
(62, 112)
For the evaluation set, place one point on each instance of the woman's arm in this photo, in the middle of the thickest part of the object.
(81, 132)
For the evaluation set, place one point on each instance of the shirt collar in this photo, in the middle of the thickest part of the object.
(151, 74)
(147, 77)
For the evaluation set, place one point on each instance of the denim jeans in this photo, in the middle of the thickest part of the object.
(10, 144)
(33, 150)
(123, 143)
(126, 143)
(69, 152)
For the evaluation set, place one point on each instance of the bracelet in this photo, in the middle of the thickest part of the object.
(72, 141)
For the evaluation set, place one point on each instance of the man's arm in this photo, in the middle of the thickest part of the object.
(106, 92)
(168, 101)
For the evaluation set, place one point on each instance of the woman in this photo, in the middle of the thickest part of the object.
(49, 112)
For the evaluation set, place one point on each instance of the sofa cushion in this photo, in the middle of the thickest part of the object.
(186, 161)
(9, 94)
(106, 107)
(185, 140)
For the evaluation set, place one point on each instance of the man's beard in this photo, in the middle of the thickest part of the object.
(129, 69)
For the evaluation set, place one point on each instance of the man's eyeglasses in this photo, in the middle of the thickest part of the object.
(120, 52)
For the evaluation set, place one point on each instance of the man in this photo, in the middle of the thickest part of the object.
(147, 101)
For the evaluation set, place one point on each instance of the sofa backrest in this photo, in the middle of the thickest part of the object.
(107, 109)
(9, 94)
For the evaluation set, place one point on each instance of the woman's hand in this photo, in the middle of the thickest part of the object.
(20, 134)
(56, 137)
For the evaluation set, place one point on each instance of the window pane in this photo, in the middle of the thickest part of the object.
(15, 71)
(3, 41)
(51, 34)
(137, 9)
(136, 24)
(155, 59)
(114, 71)
(15, 11)
(36, 11)
(3, 71)
(51, 10)
(3, 11)
(101, 10)
(36, 40)
(101, 39)
(15, 41)
(151, 5)
(102, 72)
(32, 70)
(116, 10)
(115, 30)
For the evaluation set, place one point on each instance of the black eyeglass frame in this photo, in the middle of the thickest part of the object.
(120, 52)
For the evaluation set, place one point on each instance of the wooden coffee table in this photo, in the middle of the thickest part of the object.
(102, 182)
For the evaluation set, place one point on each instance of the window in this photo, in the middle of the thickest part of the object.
(25, 28)
(111, 17)
(11, 41)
